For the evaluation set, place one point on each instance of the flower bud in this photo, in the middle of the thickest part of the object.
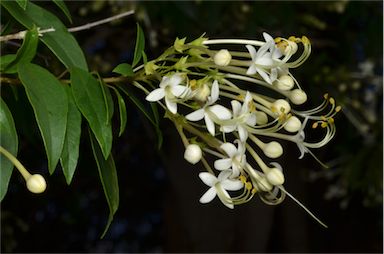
(298, 96)
(193, 153)
(273, 149)
(261, 118)
(275, 176)
(263, 184)
(281, 106)
(285, 83)
(293, 124)
(202, 93)
(36, 183)
(222, 58)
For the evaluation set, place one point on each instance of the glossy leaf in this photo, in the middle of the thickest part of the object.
(70, 153)
(139, 47)
(26, 52)
(9, 142)
(22, 3)
(124, 69)
(50, 105)
(122, 111)
(107, 99)
(63, 8)
(108, 177)
(60, 42)
(89, 98)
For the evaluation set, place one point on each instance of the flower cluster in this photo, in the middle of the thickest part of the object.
(235, 104)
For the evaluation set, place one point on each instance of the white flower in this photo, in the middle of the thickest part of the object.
(219, 186)
(170, 89)
(243, 116)
(208, 111)
(261, 60)
(193, 153)
(236, 158)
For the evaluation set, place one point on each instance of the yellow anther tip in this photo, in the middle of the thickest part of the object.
(253, 191)
(332, 101)
(338, 108)
(243, 179)
(315, 125)
(324, 124)
(248, 186)
(326, 96)
(331, 120)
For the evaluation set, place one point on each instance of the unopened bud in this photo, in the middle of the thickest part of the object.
(285, 83)
(193, 153)
(36, 183)
(281, 106)
(263, 184)
(222, 58)
(275, 176)
(261, 118)
(273, 149)
(293, 124)
(298, 96)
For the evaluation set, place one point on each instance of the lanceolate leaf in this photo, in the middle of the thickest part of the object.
(89, 98)
(139, 47)
(108, 177)
(9, 142)
(26, 52)
(124, 69)
(70, 153)
(60, 42)
(64, 9)
(22, 3)
(122, 111)
(50, 104)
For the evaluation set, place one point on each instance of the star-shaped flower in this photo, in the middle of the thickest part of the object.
(219, 186)
(209, 111)
(171, 90)
(243, 116)
(236, 158)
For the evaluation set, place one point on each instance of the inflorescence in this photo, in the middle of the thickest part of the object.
(229, 103)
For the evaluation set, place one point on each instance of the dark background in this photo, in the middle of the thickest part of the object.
(159, 191)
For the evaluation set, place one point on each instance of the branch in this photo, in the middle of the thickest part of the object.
(20, 35)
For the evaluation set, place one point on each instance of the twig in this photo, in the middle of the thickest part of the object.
(20, 35)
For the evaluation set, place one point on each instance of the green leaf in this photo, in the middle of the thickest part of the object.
(64, 9)
(122, 111)
(70, 153)
(124, 69)
(108, 177)
(107, 98)
(60, 42)
(139, 47)
(22, 3)
(50, 104)
(159, 133)
(6, 60)
(89, 98)
(9, 142)
(145, 59)
(26, 52)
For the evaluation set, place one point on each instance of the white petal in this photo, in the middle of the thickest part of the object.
(251, 70)
(266, 60)
(208, 178)
(156, 95)
(178, 90)
(208, 196)
(164, 82)
(196, 115)
(267, 37)
(172, 106)
(223, 164)
(236, 107)
(214, 92)
(243, 133)
(228, 128)
(210, 125)
(224, 175)
(176, 79)
(276, 53)
(229, 148)
(273, 75)
(235, 171)
(262, 50)
(252, 51)
(232, 185)
(251, 120)
(264, 75)
(221, 112)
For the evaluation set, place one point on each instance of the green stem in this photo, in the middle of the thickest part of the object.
(15, 162)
